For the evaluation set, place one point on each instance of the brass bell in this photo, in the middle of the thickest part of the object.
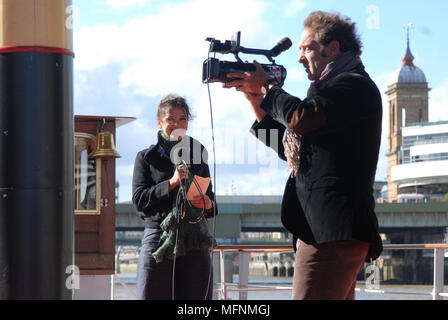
(105, 147)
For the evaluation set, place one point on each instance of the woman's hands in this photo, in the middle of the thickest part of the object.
(180, 173)
(197, 202)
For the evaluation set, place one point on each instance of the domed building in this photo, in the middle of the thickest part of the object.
(417, 149)
(409, 73)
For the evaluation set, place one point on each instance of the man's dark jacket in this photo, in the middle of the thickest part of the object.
(150, 182)
(331, 196)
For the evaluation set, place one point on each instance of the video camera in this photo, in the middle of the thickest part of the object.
(214, 70)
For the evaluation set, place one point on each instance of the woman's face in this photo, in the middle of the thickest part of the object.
(174, 123)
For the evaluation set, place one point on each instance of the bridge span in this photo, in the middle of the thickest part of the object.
(262, 214)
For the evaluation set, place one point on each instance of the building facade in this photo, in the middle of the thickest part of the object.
(417, 149)
(422, 170)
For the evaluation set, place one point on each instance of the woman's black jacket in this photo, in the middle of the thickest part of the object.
(152, 170)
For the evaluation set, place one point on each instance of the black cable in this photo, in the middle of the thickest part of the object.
(214, 185)
(174, 262)
(180, 207)
(202, 217)
(203, 199)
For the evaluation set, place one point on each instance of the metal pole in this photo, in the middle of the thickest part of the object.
(36, 149)
(117, 260)
(223, 275)
(438, 273)
(244, 259)
(216, 276)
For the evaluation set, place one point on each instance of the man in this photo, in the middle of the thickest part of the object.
(331, 140)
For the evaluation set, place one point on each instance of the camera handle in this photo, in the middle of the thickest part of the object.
(233, 46)
(266, 53)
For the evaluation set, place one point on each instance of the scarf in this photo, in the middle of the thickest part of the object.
(345, 61)
(166, 143)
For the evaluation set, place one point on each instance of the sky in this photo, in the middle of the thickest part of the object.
(132, 53)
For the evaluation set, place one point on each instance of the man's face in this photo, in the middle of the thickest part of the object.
(313, 55)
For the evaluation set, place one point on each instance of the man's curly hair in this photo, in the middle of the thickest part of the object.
(333, 26)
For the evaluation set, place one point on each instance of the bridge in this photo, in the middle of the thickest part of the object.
(403, 222)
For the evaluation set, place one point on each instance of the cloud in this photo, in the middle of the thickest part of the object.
(97, 92)
(97, 46)
(172, 59)
(438, 102)
(121, 4)
(294, 7)
(163, 52)
(166, 40)
(297, 73)
(268, 182)
(125, 69)
(125, 170)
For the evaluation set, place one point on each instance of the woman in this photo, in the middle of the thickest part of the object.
(158, 174)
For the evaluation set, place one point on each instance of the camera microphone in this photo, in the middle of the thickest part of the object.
(281, 46)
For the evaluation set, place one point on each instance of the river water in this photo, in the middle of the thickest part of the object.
(128, 290)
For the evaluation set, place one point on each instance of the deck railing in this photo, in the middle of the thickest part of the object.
(242, 287)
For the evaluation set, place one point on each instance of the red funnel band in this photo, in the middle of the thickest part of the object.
(6, 49)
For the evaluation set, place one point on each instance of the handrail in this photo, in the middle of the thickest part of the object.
(243, 250)
(290, 248)
(416, 246)
(243, 287)
(254, 248)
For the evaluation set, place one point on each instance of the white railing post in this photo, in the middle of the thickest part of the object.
(244, 259)
(438, 273)
(223, 275)
(117, 260)
(243, 266)
(216, 276)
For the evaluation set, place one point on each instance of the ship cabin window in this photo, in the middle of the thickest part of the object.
(87, 175)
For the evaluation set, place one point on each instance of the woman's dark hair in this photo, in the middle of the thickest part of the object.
(172, 101)
(332, 26)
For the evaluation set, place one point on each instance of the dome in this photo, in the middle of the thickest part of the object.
(410, 74)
